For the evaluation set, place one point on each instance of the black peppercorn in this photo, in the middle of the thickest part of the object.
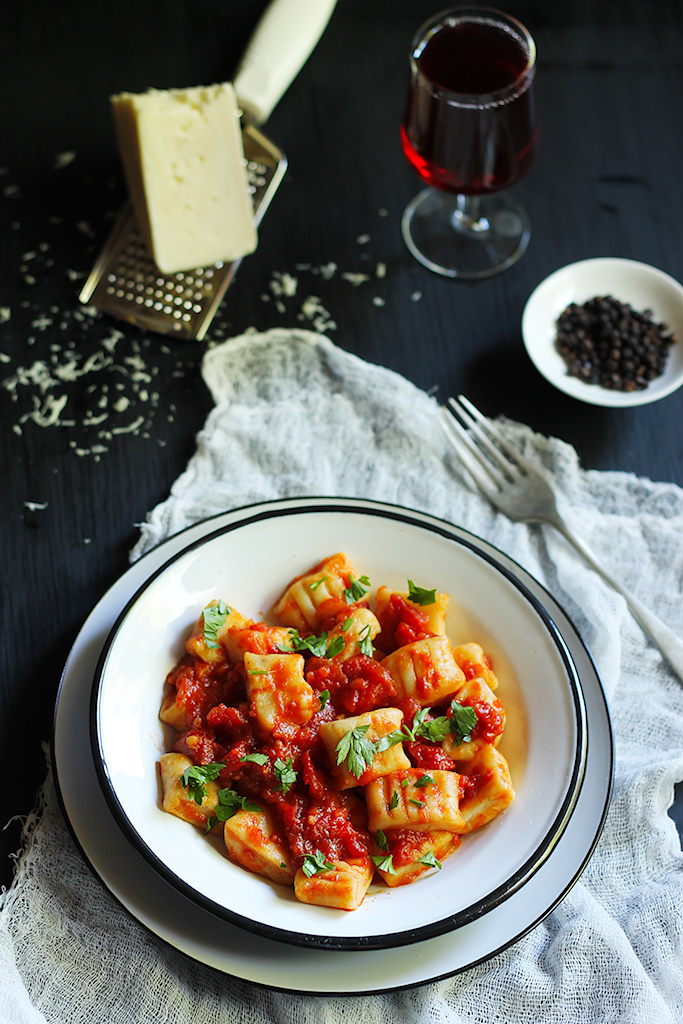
(607, 342)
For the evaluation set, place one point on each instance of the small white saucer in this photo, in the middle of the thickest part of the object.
(641, 286)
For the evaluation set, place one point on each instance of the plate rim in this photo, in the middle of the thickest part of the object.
(575, 849)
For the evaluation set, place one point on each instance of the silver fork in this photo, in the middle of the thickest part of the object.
(518, 489)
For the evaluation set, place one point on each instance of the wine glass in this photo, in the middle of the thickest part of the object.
(469, 130)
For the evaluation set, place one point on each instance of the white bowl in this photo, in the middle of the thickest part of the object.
(639, 285)
(248, 564)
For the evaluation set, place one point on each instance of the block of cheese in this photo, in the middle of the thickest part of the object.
(183, 159)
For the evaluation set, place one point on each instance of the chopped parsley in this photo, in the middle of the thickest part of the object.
(365, 642)
(433, 729)
(418, 595)
(392, 738)
(316, 583)
(285, 774)
(385, 862)
(324, 697)
(463, 721)
(356, 749)
(356, 589)
(418, 803)
(335, 647)
(317, 645)
(229, 803)
(255, 758)
(214, 618)
(315, 863)
(424, 780)
(393, 803)
(196, 777)
(429, 859)
(381, 840)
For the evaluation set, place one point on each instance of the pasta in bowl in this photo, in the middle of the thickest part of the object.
(335, 731)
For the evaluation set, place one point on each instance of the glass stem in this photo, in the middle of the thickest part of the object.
(467, 215)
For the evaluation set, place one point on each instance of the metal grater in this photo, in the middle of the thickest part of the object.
(126, 283)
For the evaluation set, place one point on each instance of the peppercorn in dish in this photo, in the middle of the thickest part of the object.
(607, 342)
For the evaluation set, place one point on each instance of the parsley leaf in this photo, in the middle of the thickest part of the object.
(214, 617)
(197, 775)
(385, 862)
(314, 863)
(356, 749)
(316, 583)
(285, 774)
(424, 780)
(256, 758)
(393, 803)
(463, 721)
(316, 645)
(429, 859)
(335, 646)
(365, 642)
(229, 803)
(418, 803)
(356, 589)
(434, 729)
(392, 738)
(418, 595)
(381, 840)
(419, 720)
(323, 697)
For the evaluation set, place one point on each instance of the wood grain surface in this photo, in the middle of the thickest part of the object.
(98, 419)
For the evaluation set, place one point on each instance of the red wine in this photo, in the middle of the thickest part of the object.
(469, 124)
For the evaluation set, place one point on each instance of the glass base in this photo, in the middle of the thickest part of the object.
(465, 236)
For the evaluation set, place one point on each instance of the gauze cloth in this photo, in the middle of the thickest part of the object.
(295, 415)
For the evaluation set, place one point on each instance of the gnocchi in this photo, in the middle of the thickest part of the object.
(342, 741)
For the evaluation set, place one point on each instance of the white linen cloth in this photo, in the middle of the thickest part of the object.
(295, 416)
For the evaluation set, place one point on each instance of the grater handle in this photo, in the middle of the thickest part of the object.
(283, 40)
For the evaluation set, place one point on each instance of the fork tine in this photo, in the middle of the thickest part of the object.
(470, 455)
(485, 446)
(492, 432)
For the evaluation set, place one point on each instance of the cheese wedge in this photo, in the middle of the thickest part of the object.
(183, 159)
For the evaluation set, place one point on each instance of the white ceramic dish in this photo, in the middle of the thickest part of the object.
(248, 563)
(213, 942)
(641, 286)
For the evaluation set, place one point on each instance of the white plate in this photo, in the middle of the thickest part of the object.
(249, 564)
(641, 286)
(234, 951)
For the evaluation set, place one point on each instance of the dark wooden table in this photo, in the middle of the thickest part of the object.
(98, 418)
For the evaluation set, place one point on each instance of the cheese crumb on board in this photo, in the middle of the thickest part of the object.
(183, 159)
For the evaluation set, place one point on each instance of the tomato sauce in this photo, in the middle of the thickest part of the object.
(312, 814)
(429, 757)
(490, 720)
(198, 686)
(405, 846)
(402, 623)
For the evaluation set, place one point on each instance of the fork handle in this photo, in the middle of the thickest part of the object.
(670, 645)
